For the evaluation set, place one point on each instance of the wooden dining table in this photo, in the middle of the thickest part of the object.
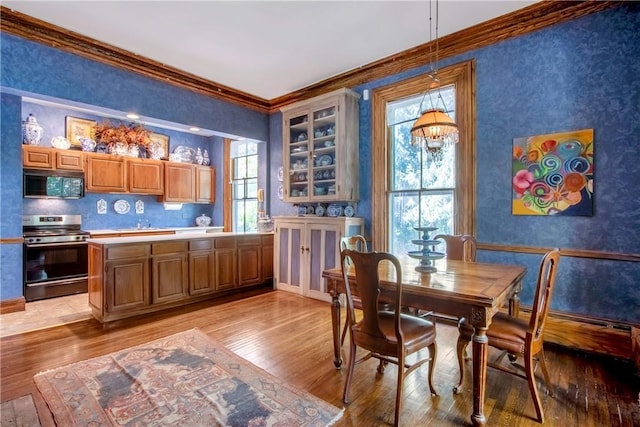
(473, 290)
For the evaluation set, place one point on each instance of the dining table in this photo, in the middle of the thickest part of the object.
(472, 290)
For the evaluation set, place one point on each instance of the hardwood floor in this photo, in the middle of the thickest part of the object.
(290, 337)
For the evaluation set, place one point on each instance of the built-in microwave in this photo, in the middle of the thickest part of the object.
(53, 184)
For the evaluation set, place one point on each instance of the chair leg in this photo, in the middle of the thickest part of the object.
(545, 372)
(529, 366)
(344, 331)
(463, 342)
(351, 366)
(433, 353)
(401, 372)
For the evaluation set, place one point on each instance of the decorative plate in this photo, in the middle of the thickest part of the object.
(280, 173)
(281, 192)
(139, 207)
(185, 154)
(349, 211)
(102, 206)
(121, 207)
(319, 210)
(324, 160)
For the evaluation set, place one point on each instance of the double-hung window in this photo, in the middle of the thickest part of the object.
(244, 185)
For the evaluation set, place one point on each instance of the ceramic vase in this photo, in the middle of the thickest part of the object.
(31, 131)
(206, 160)
(199, 158)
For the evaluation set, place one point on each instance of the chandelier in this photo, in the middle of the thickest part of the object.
(434, 130)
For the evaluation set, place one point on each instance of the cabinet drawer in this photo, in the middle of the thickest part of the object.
(200, 244)
(248, 240)
(226, 242)
(132, 251)
(168, 247)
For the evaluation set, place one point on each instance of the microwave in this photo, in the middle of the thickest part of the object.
(53, 184)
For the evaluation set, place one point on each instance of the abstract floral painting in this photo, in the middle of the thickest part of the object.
(553, 174)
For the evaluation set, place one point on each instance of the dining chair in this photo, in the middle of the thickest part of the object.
(461, 247)
(387, 335)
(520, 337)
(358, 243)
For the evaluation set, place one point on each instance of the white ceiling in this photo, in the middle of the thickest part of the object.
(264, 48)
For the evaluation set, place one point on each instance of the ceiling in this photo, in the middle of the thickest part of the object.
(264, 48)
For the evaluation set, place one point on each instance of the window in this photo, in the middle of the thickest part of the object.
(244, 186)
(421, 186)
(409, 189)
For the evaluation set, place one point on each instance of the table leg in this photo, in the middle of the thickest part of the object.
(514, 303)
(480, 352)
(335, 328)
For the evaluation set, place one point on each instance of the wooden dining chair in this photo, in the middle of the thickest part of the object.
(387, 335)
(357, 243)
(520, 337)
(461, 247)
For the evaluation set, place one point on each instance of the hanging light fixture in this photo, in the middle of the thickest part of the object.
(434, 129)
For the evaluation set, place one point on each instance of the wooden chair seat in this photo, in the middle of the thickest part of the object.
(506, 332)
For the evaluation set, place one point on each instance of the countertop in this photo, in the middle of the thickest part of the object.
(166, 237)
(132, 230)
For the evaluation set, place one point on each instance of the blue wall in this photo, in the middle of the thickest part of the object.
(576, 75)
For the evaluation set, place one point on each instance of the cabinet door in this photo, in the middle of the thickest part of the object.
(169, 277)
(205, 184)
(324, 253)
(289, 252)
(296, 152)
(249, 260)
(105, 174)
(38, 157)
(267, 257)
(225, 260)
(126, 285)
(146, 177)
(70, 160)
(180, 183)
(201, 272)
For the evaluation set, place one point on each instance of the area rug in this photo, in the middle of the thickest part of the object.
(20, 412)
(186, 379)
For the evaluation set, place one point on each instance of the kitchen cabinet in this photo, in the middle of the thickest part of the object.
(105, 173)
(226, 263)
(126, 281)
(170, 275)
(180, 182)
(320, 148)
(305, 246)
(145, 176)
(36, 157)
(205, 184)
(202, 267)
(129, 277)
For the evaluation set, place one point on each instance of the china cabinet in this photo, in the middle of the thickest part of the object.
(305, 246)
(320, 148)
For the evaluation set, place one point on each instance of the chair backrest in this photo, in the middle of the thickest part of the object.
(366, 266)
(460, 247)
(542, 298)
(356, 242)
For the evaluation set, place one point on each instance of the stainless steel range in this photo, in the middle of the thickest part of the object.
(55, 256)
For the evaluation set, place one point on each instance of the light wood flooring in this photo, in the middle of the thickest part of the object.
(290, 337)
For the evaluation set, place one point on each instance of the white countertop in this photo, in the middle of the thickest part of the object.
(165, 237)
(210, 229)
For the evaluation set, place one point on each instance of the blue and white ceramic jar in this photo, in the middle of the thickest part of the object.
(31, 131)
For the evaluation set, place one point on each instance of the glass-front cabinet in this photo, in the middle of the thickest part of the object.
(320, 152)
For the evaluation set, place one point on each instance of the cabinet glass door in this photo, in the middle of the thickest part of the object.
(323, 168)
(298, 154)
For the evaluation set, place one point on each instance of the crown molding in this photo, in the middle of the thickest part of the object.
(532, 18)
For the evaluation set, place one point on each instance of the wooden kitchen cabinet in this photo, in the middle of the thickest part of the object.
(205, 184)
(105, 173)
(305, 246)
(320, 148)
(37, 157)
(127, 279)
(249, 260)
(179, 181)
(267, 257)
(169, 275)
(226, 263)
(145, 176)
(202, 267)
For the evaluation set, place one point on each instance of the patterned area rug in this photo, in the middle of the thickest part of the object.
(184, 379)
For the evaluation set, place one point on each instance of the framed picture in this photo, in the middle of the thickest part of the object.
(162, 141)
(78, 128)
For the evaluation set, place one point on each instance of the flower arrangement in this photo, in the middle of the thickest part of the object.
(132, 134)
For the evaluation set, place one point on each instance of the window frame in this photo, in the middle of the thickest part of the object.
(228, 219)
(461, 75)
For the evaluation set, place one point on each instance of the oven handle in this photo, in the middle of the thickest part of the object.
(57, 282)
(43, 245)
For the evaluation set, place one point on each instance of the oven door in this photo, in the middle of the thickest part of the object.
(54, 269)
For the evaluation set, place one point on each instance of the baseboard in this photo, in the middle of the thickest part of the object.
(12, 305)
